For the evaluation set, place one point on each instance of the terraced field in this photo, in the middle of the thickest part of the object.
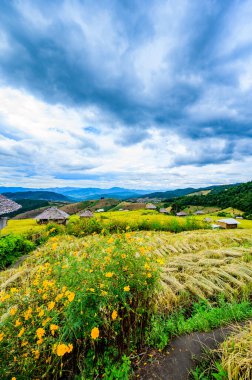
(75, 295)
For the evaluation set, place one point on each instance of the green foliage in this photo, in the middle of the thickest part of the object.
(239, 197)
(13, 246)
(87, 226)
(203, 317)
(208, 371)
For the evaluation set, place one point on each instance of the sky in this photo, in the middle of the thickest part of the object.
(131, 93)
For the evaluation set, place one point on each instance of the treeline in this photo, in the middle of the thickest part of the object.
(239, 197)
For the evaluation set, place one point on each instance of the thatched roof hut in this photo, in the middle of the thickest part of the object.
(86, 214)
(199, 212)
(7, 205)
(52, 214)
(228, 223)
(181, 213)
(164, 211)
(150, 206)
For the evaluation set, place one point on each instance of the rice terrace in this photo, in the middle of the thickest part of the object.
(125, 190)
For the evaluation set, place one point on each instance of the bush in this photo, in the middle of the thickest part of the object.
(12, 247)
(79, 311)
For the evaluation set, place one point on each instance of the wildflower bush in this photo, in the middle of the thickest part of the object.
(83, 304)
(111, 224)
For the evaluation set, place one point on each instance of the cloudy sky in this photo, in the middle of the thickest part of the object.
(133, 93)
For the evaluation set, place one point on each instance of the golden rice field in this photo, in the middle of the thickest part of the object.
(130, 217)
(20, 226)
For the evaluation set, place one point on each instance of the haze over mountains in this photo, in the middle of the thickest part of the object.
(71, 194)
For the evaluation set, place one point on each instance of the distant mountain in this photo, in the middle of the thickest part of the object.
(76, 194)
(94, 193)
(38, 195)
(189, 190)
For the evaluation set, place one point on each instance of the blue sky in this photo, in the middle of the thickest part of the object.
(140, 94)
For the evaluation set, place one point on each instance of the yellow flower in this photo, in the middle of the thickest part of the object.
(109, 274)
(62, 349)
(54, 246)
(27, 314)
(149, 275)
(103, 293)
(40, 333)
(36, 354)
(95, 333)
(18, 323)
(51, 305)
(146, 266)
(126, 288)
(70, 348)
(45, 321)
(71, 296)
(123, 256)
(13, 310)
(14, 378)
(40, 341)
(110, 240)
(53, 328)
(41, 313)
(114, 315)
(128, 228)
(21, 332)
(1, 336)
(58, 297)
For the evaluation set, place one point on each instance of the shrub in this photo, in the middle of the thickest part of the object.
(13, 246)
(85, 303)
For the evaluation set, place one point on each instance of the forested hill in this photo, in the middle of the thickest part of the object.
(239, 196)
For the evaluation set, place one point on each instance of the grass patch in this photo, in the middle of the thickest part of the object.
(204, 317)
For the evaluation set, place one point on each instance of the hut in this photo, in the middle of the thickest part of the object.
(150, 206)
(6, 206)
(52, 214)
(228, 223)
(199, 212)
(100, 210)
(86, 214)
(164, 211)
(181, 213)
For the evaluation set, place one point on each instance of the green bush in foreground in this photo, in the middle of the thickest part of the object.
(79, 311)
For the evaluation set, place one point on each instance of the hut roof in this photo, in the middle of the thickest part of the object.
(163, 210)
(151, 206)
(181, 213)
(228, 221)
(52, 213)
(199, 212)
(7, 205)
(86, 214)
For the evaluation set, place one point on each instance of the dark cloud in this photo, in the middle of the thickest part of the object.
(156, 64)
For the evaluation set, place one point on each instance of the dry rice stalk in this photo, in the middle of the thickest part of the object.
(237, 354)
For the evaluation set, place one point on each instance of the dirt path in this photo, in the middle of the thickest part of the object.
(181, 355)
